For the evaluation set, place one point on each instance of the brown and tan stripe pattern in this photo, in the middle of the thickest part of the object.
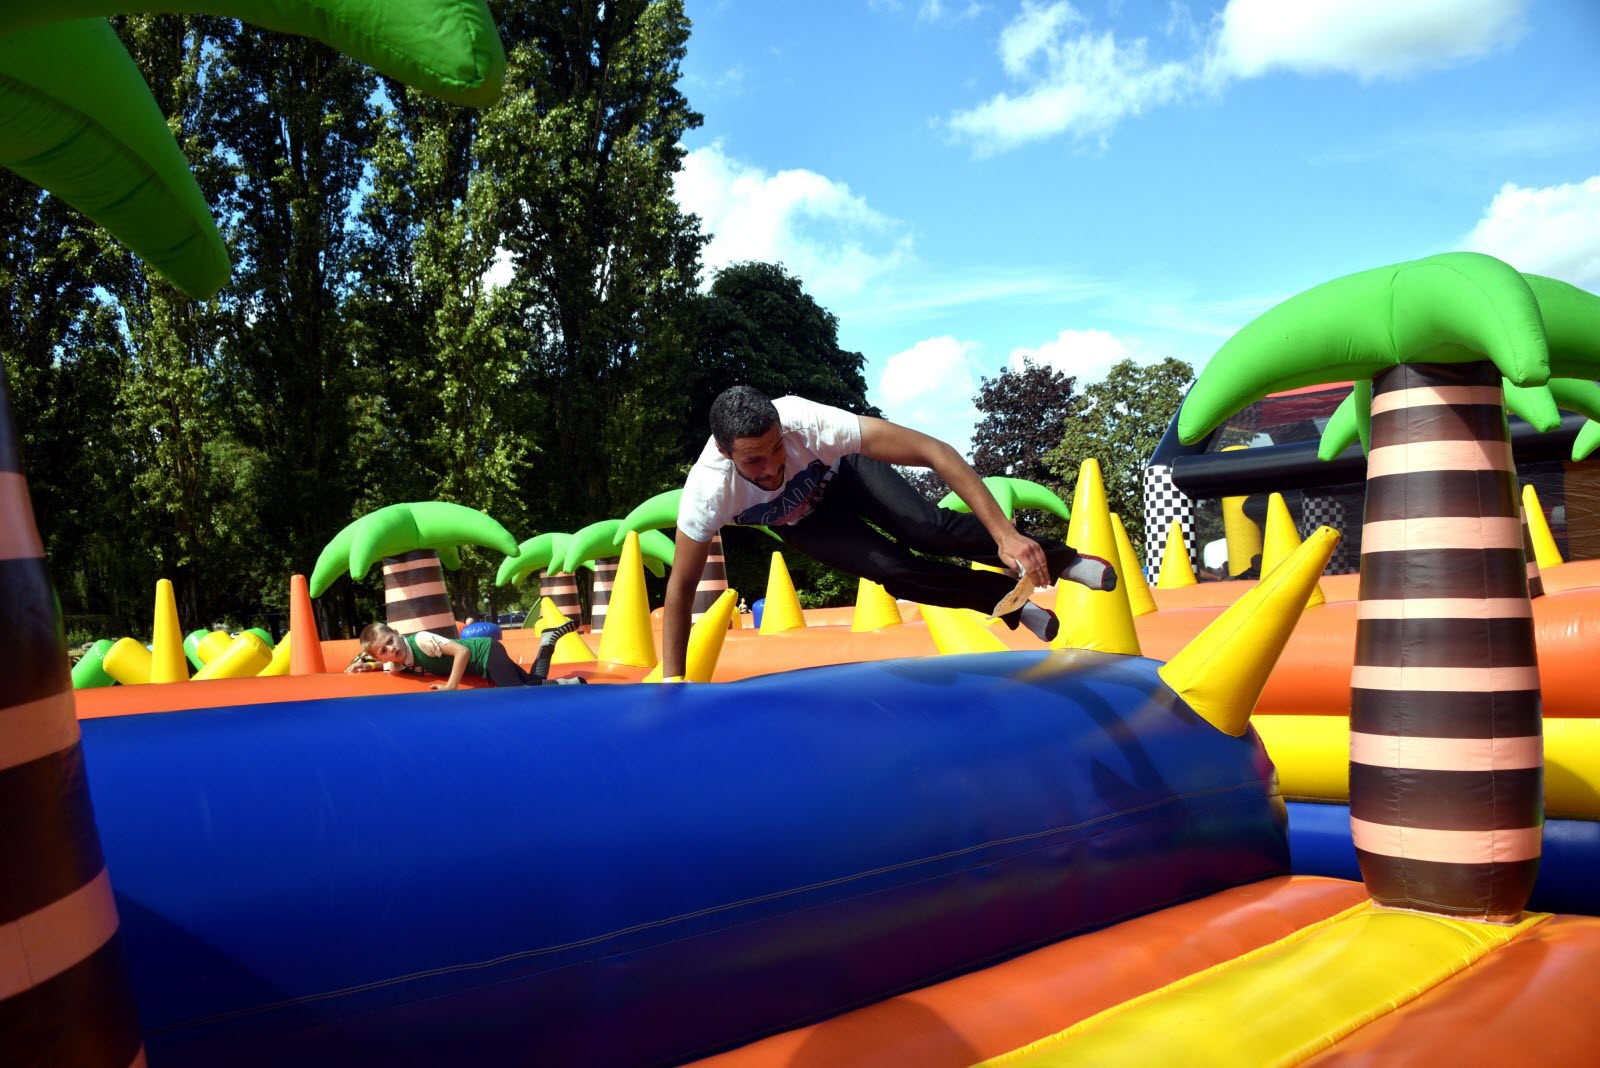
(1446, 758)
(563, 592)
(1535, 577)
(414, 594)
(713, 580)
(64, 992)
(605, 578)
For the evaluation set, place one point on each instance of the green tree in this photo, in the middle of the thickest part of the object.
(1119, 421)
(586, 144)
(295, 119)
(64, 357)
(171, 446)
(436, 325)
(757, 326)
(1023, 411)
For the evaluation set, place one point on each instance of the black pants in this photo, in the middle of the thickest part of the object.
(504, 671)
(866, 491)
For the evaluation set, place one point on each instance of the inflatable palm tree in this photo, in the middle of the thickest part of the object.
(1536, 405)
(661, 511)
(1446, 767)
(77, 119)
(545, 554)
(412, 540)
(1013, 493)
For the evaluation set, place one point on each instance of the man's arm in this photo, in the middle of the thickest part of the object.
(688, 564)
(896, 444)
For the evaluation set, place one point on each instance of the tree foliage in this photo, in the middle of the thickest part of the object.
(1023, 411)
(496, 307)
(757, 326)
(1119, 421)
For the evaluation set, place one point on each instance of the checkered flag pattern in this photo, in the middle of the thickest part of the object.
(1163, 502)
(1319, 511)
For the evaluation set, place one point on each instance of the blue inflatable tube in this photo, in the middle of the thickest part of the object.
(1569, 871)
(638, 875)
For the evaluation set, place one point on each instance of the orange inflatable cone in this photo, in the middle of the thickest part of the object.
(305, 652)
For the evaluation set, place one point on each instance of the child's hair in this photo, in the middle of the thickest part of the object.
(373, 633)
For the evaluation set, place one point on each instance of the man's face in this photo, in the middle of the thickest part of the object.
(390, 649)
(759, 460)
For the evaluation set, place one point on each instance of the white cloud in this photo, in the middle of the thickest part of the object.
(822, 232)
(1083, 84)
(1552, 231)
(1088, 354)
(930, 387)
(1072, 80)
(1366, 38)
(931, 10)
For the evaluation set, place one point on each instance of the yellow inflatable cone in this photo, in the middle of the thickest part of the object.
(627, 638)
(1074, 522)
(570, 648)
(1221, 672)
(782, 610)
(1544, 543)
(705, 640)
(957, 630)
(1140, 599)
(1244, 537)
(281, 654)
(1094, 619)
(167, 662)
(1176, 571)
(706, 637)
(875, 609)
(1281, 540)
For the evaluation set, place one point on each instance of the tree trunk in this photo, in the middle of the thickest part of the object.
(713, 580)
(1446, 764)
(605, 577)
(563, 591)
(414, 594)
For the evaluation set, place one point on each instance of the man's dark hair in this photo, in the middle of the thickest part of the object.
(741, 412)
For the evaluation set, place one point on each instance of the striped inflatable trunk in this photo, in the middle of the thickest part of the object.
(65, 997)
(563, 593)
(713, 580)
(1446, 756)
(414, 594)
(605, 578)
(1535, 576)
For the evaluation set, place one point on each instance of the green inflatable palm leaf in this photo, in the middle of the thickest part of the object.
(1458, 307)
(1013, 493)
(402, 528)
(77, 119)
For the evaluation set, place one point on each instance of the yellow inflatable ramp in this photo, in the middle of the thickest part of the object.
(1282, 1003)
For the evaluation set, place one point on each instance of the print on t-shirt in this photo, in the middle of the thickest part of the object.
(798, 496)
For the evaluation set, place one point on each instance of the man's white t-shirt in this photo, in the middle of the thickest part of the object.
(815, 438)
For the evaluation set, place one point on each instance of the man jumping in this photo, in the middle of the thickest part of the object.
(822, 477)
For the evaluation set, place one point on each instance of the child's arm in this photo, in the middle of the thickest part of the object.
(462, 655)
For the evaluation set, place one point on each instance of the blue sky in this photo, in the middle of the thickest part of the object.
(965, 184)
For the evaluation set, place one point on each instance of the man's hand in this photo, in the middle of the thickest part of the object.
(1023, 553)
